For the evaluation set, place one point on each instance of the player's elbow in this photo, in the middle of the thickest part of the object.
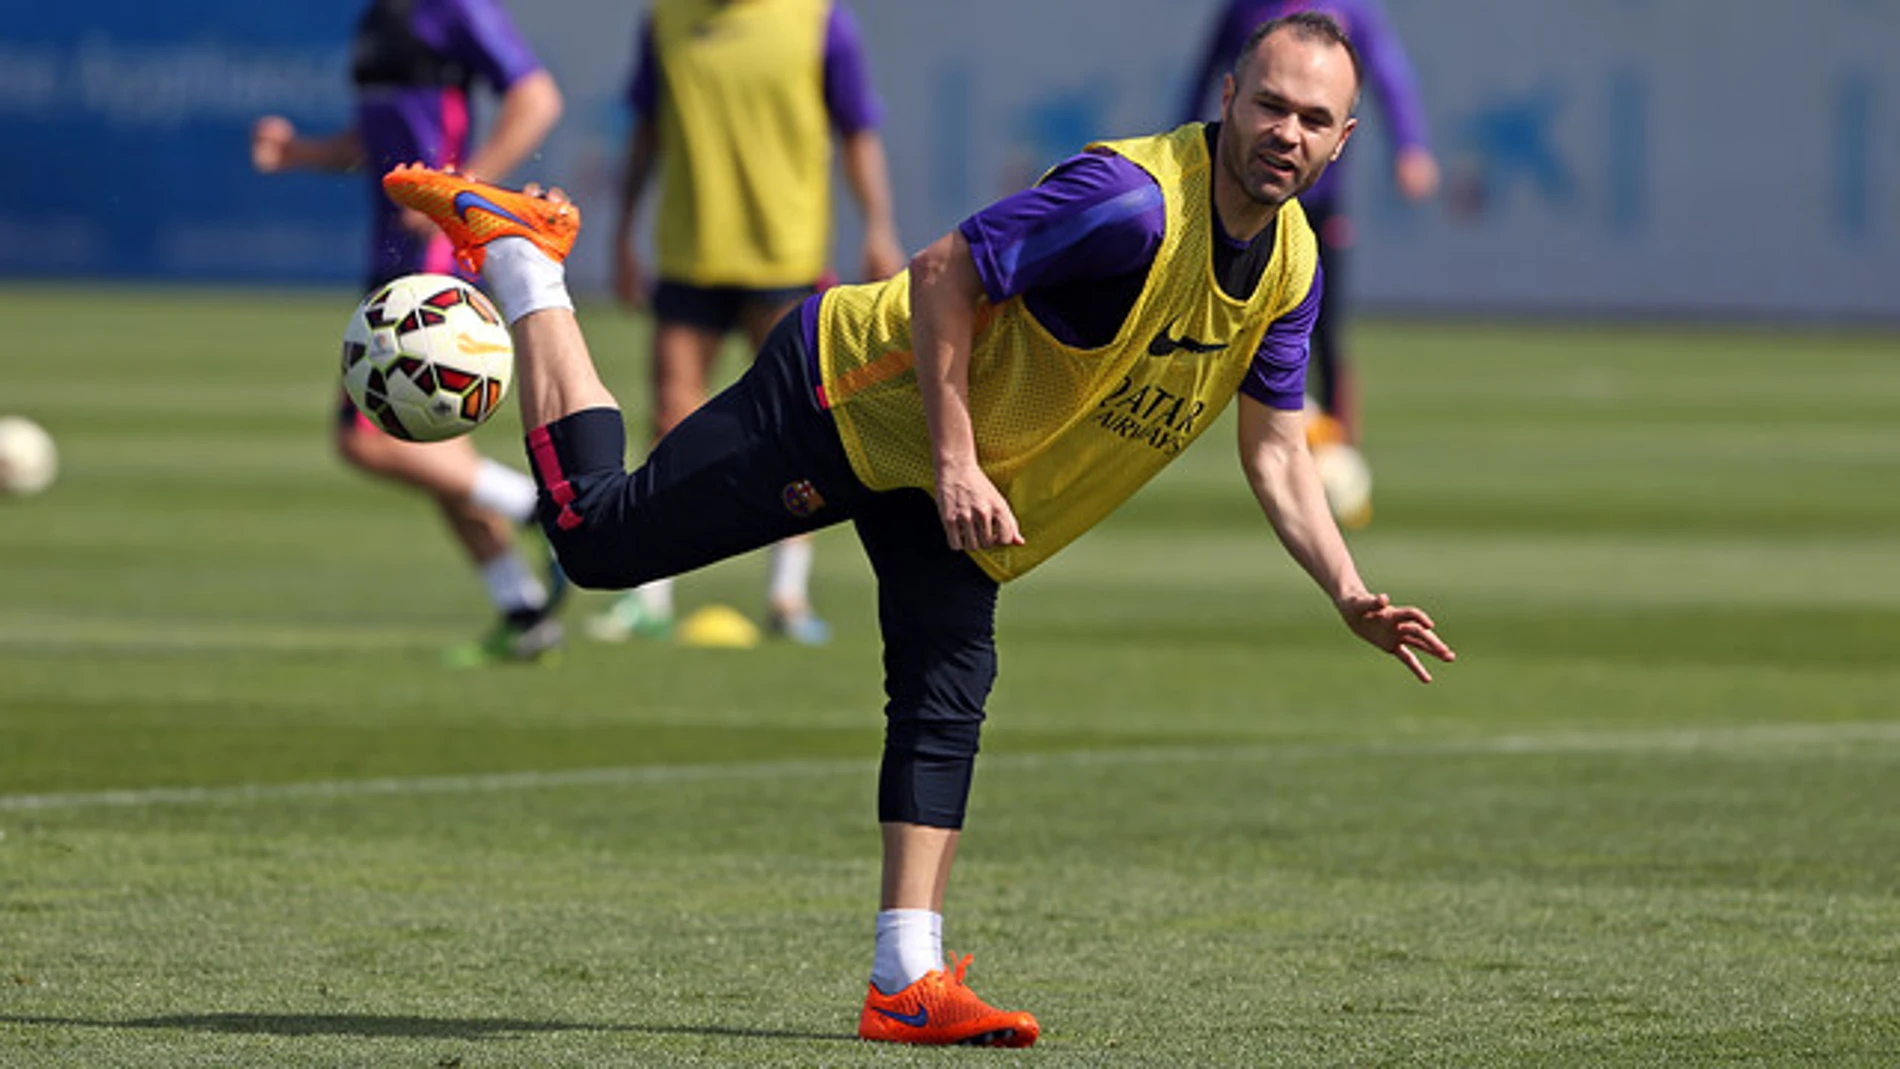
(587, 564)
(945, 270)
(539, 97)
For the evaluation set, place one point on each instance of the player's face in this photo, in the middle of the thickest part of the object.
(1286, 117)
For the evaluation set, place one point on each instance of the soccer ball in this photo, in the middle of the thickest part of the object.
(427, 357)
(1348, 482)
(28, 460)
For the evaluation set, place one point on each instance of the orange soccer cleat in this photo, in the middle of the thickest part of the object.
(938, 1009)
(474, 213)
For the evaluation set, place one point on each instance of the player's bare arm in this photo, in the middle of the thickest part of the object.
(643, 152)
(861, 154)
(529, 109)
(1284, 481)
(944, 291)
(276, 146)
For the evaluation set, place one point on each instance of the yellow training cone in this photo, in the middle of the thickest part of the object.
(718, 627)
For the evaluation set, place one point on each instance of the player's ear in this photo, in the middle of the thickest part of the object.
(1352, 123)
(1226, 92)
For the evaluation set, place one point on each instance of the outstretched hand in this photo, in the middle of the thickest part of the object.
(1400, 630)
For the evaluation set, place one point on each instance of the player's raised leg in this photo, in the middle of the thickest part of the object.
(519, 240)
(716, 487)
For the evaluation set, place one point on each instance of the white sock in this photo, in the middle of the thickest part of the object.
(511, 586)
(503, 489)
(656, 597)
(909, 944)
(524, 279)
(790, 572)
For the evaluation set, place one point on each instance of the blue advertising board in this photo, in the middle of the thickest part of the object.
(126, 125)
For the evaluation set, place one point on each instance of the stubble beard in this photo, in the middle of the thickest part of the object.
(1234, 160)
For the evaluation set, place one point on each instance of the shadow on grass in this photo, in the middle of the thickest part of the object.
(376, 1025)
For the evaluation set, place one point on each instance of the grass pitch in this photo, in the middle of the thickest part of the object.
(247, 818)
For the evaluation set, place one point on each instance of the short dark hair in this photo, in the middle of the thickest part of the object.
(1310, 26)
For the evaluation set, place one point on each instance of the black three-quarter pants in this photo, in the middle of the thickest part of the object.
(758, 463)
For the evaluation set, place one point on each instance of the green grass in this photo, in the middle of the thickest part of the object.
(1647, 819)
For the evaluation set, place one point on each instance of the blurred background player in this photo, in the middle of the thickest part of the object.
(1414, 171)
(736, 105)
(415, 63)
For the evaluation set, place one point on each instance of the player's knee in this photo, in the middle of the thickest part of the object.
(936, 737)
(590, 561)
(940, 678)
(365, 449)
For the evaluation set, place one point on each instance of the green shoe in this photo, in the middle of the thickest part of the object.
(508, 643)
(629, 617)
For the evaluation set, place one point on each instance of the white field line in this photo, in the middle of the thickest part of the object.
(1685, 740)
(160, 635)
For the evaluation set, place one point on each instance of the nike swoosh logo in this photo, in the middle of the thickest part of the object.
(474, 347)
(1163, 345)
(915, 1020)
(468, 198)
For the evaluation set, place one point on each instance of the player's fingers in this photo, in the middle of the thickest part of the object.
(1411, 661)
(558, 195)
(996, 531)
(1012, 531)
(1427, 640)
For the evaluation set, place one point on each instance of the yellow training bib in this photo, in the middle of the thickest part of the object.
(1068, 434)
(745, 142)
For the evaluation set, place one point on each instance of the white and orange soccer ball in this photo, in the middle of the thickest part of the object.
(1348, 482)
(427, 357)
(1342, 469)
(28, 459)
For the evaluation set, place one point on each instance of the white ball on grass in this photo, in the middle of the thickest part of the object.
(28, 459)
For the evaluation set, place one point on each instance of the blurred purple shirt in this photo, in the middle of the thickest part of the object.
(1388, 72)
(403, 124)
(849, 97)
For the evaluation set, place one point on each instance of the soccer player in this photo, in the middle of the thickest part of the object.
(1032, 369)
(736, 107)
(415, 64)
(1414, 168)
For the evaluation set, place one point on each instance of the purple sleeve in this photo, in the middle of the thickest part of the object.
(1277, 377)
(643, 92)
(480, 34)
(1390, 72)
(1095, 216)
(849, 97)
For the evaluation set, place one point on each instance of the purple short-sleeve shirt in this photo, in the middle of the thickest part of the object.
(401, 123)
